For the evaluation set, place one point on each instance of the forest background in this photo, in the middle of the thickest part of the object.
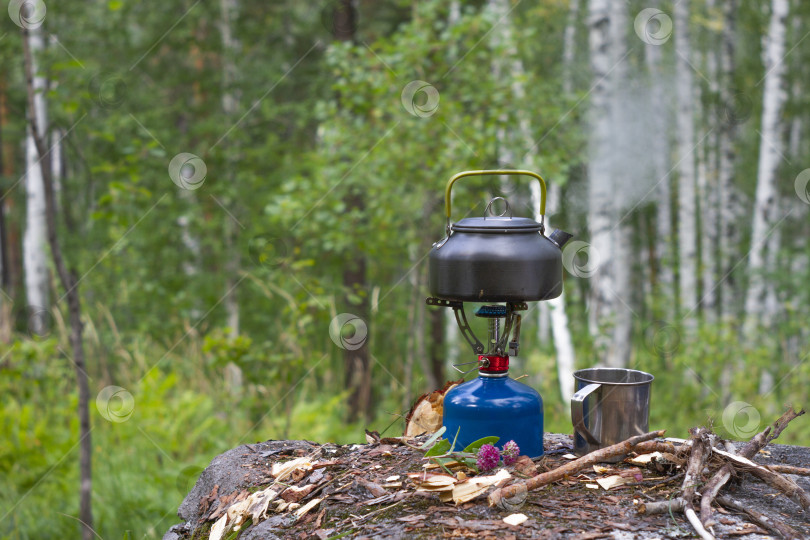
(215, 218)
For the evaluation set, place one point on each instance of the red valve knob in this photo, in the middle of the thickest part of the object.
(493, 364)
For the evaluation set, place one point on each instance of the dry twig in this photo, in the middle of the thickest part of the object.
(751, 448)
(777, 481)
(517, 492)
(701, 449)
(774, 525)
(789, 469)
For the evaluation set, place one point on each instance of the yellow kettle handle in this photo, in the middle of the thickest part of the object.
(497, 172)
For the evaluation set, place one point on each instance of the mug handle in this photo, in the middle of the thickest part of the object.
(577, 404)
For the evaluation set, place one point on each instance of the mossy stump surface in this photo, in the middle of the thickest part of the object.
(568, 509)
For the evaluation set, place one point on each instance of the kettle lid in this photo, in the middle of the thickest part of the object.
(497, 225)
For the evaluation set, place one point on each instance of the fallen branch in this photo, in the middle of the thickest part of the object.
(788, 487)
(661, 507)
(701, 450)
(697, 459)
(517, 492)
(716, 483)
(789, 469)
(774, 525)
(665, 447)
(777, 481)
(694, 520)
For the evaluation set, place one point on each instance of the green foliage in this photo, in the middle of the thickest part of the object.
(474, 446)
(320, 125)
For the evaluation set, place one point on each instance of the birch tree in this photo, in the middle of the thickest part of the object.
(6, 292)
(569, 45)
(511, 66)
(600, 183)
(685, 140)
(707, 188)
(766, 203)
(70, 284)
(660, 168)
(35, 256)
(620, 110)
(230, 101)
(727, 203)
(609, 317)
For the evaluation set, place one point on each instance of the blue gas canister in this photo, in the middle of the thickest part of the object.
(493, 404)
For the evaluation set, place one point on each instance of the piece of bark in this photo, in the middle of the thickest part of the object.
(374, 488)
(294, 494)
(716, 482)
(525, 466)
(519, 490)
(772, 524)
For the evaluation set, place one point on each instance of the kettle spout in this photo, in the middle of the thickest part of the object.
(560, 237)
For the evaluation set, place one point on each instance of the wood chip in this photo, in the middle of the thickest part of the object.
(473, 487)
(645, 459)
(413, 519)
(281, 471)
(307, 507)
(515, 519)
(611, 482)
(218, 528)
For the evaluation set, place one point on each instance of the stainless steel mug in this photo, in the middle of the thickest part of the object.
(609, 406)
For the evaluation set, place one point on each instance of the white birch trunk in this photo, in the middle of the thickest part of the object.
(795, 140)
(601, 303)
(561, 334)
(685, 136)
(57, 164)
(230, 101)
(621, 344)
(708, 188)
(664, 280)
(35, 245)
(451, 339)
(570, 44)
(609, 317)
(707, 198)
(766, 205)
(728, 237)
(766, 208)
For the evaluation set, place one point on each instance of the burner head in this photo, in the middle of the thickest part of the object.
(492, 311)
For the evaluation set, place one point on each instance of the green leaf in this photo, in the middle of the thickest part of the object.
(452, 446)
(474, 446)
(433, 438)
(440, 448)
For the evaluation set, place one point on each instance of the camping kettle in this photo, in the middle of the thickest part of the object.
(497, 258)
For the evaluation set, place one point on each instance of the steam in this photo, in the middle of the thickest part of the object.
(640, 122)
